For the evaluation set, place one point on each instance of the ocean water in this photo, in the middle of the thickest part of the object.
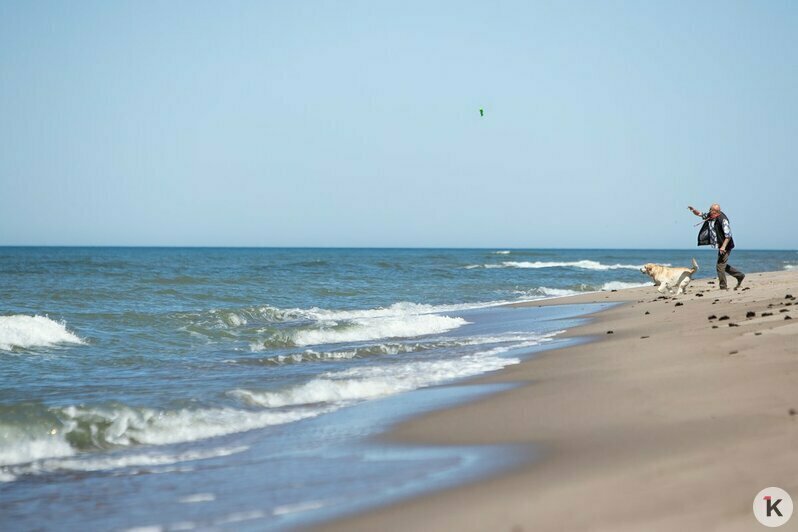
(243, 388)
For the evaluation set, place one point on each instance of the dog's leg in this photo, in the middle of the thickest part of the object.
(684, 280)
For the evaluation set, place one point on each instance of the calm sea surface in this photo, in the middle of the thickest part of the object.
(241, 388)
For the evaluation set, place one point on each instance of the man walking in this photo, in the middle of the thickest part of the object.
(716, 232)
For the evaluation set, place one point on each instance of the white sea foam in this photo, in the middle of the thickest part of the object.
(504, 252)
(298, 507)
(143, 459)
(394, 348)
(17, 448)
(557, 292)
(118, 461)
(345, 354)
(370, 382)
(262, 313)
(620, 285)
(197, 497)
(238, 517)
(123, 426)
(236, 320)
(791, 266)
(397, 310)
(232, 319)
(33, 331)
(361, 330)
(584, 264)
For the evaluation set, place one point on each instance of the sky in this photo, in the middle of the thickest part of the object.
(356, 123)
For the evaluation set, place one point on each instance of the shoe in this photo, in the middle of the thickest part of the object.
(739, 282)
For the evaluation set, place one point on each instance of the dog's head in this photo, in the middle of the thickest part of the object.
(650, 269)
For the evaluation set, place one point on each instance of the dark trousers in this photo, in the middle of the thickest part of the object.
(724, 267)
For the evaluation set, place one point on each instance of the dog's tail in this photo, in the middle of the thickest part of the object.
(695, 266)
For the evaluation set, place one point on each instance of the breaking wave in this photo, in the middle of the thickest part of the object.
(390, 348)
(370, 382)
(104, 463)
(584, 264)
(620, 285)
(26, 332)
(558, 292)
(359, 330)
(62, 432)
(35, 438)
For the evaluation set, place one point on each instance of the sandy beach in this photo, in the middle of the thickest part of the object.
(674, 416)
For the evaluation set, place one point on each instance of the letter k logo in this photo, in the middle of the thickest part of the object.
(777, 507)
(772, 506)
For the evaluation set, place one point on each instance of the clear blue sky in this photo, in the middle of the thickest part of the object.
(348, 123)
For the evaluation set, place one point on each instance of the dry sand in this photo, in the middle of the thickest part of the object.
(675, 421)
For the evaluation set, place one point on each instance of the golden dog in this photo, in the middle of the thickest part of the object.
(670, 279)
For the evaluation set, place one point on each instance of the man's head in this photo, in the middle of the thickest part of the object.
(714, 210)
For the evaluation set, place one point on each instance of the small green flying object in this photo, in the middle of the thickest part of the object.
(481, 112)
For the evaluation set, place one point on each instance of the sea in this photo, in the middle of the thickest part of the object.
(250, 388)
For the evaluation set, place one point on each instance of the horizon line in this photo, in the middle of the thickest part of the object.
(110, 246)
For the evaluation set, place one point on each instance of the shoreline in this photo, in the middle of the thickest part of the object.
(672, 420)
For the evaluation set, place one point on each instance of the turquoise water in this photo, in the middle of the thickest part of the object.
(230, 388)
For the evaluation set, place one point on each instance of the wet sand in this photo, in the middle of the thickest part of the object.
(677, 414)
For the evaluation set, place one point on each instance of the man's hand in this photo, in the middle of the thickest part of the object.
(722, 251)
(693, 210)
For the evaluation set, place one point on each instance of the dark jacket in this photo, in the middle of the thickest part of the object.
(703, 234)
